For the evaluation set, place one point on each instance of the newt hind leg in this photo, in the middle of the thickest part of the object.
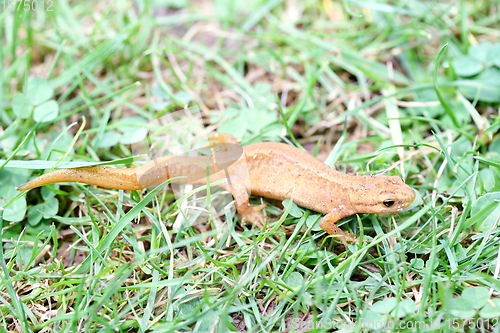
(252, 214)
(248, 212)
(238, 185)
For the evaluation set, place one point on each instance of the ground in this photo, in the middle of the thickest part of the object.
(406, 88)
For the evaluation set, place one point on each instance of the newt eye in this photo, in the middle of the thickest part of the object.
(389, 203)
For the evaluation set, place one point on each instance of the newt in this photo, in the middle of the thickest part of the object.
(275, 170)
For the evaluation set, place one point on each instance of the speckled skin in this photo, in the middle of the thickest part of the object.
(275, 170)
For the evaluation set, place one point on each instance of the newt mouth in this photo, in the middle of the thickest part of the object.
(407, 198)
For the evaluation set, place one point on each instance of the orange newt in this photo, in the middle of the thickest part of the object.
(276, 170)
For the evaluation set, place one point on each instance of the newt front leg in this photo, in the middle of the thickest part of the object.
(327, 223)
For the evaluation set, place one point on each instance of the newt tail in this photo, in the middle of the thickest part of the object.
(120, 179)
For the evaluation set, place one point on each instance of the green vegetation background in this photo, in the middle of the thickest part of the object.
(364, 85)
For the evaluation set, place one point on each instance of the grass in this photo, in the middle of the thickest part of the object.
(365, 86)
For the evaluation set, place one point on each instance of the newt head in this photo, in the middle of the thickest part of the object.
(380, 194)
